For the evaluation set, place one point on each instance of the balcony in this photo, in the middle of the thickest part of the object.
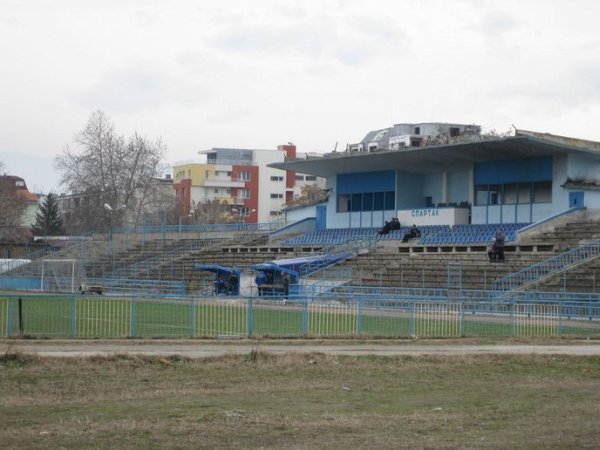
(225, 182)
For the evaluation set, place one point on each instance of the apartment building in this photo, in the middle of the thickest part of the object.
(241, 178)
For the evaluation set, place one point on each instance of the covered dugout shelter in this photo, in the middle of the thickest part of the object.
(283, 275)
(523, 178)
(227, 279)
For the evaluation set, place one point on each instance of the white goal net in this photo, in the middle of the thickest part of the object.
(59, 275)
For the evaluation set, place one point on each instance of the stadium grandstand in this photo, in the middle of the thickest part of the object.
(457, 186)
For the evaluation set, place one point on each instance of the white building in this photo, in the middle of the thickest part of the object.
(241, 178)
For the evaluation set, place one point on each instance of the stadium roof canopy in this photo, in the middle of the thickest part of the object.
(447, 157)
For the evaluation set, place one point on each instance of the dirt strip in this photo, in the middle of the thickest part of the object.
(208, 348)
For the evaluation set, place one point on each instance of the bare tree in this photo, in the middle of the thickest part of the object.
(106, 168)
(211, 212)
(310, 195)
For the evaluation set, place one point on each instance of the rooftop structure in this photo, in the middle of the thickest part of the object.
(406, 135)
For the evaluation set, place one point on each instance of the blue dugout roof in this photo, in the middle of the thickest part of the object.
(217, 269)
(295, 266)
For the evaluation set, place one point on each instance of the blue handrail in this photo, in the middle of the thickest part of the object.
(549, 267)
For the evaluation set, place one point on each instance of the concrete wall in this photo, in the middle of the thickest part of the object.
(296, 214)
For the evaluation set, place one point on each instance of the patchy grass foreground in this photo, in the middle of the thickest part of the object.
(300, 401)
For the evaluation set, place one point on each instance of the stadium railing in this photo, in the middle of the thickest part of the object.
(76, 316)
(552, 266)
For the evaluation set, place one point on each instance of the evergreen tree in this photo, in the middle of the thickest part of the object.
(48, 221)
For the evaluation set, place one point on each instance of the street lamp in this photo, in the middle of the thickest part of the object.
(109, 208)
(111, 211)
(183, 217)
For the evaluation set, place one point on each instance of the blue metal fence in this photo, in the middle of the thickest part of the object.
(370, 316)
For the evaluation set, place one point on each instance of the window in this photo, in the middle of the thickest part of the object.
(276, 195)
(524, 192)
(244, 176)
(311, 178)
(495, 197)
(481, 195)
(415, 142)
(417, 130)
(244, 193)
(299, 177)
(513, 193)
(356, 204)
(274, 178)
(510, 194)
(542, 192)
(378, 201)
(343, 204)
(275, 213)
(368, 201)
(390, 200)
(454, 132)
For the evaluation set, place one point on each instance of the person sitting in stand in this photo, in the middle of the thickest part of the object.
(395, 224)
(386, 227)
(412, 233)
(497, 251)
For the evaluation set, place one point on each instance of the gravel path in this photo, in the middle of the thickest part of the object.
(203, 349)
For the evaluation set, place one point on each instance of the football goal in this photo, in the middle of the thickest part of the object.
(59, 275)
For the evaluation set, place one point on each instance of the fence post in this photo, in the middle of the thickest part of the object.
(305, 317)
(72, 316)
(20, 303)
(412, 319)
(10, 317)
(462, 318)
(249, 316)
(359, 322)
(512, 318)
(133, 317)
(560, 324)
(192, 318)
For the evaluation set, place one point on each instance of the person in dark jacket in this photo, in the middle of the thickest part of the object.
(497, 251)
(412, 233)
(386, 228)
(261, 280)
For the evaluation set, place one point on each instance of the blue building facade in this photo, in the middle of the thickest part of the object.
(519, 179)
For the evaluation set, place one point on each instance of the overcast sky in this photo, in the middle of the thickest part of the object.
(255, 74)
